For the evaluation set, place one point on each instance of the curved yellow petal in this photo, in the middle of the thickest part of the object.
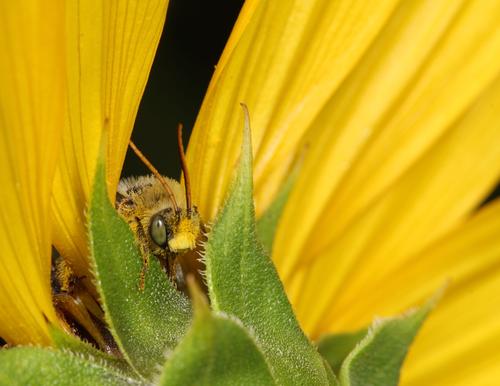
(464, 352)
(245, 16)
(397, 105)
(110, 49)
(468, 251)
(459, 351)
(286, 59)
(458, 345)
(31, 119)
(434, 195)
(424, 71)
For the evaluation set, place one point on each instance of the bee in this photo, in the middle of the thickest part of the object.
(165, 225)
(162, 218)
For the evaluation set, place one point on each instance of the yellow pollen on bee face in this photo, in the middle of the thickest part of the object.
(185, 236)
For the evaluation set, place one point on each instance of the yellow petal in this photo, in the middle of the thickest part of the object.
(458, 344)
(467, 252)
(31, 119)
(433, 196)
(285, 61)
(424, 70)
(466, 353)
(110, 49)
(397, 103)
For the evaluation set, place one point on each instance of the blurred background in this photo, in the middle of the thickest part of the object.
(193, 39)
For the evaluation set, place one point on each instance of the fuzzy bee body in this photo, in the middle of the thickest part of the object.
(162, 224)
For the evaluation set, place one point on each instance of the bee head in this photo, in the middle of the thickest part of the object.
(175, 230)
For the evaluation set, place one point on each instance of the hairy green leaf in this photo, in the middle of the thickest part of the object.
(335, 348)
(243, 282)
(217, 350)
(144, 323)
(377, 359)
(41, 366)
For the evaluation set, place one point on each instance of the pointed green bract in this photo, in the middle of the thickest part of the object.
(268, 222)
(377, 359)
(217, 350)
(41, 366)
(145, 324)
(335, 348)
(243, 282)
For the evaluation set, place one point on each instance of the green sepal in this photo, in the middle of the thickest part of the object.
(67, 342)
(35, 366)
(268, 222)
(217, 350)
(243, 282)
(377, 359)
(335, 347)
(330, 375)
(145, 323)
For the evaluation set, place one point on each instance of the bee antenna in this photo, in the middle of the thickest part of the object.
(153, 170)
(187, 183)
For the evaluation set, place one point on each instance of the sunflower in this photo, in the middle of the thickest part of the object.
(396, 105)
(389, 112)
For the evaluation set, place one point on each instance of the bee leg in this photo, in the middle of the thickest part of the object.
(141, 235)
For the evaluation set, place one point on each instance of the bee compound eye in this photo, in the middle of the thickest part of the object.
(158, 231)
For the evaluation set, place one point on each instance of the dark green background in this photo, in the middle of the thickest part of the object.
(193, 39)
